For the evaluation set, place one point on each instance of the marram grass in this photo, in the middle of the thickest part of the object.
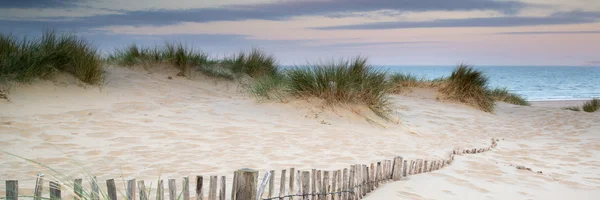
(25, 59)
(588, 106)
(469, 86)
(502, 94)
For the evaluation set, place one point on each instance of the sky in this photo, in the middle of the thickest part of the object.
(388, 32)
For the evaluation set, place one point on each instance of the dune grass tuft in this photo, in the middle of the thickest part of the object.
(588, 106)
(25, 59)
(348, 81)
(502, 94)
(468, 85)
(591, 106)
(572, 108)
(255, 63)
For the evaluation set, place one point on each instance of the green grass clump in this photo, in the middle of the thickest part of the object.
(400, 81)
(270, 87)
(502, 94)
(25, 59)
(469, 86)
(255, 63)
(349, 81)
(592, 105)
(572, 108)
(589, 106)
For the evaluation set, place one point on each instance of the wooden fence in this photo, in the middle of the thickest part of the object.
(351, 183)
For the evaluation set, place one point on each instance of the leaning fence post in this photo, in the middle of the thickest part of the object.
(12, 190)
(54, 191)
(263, 184)
(245, 184)
(271, 184)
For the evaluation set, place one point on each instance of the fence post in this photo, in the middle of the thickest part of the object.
(223, 190)
(161, 190)
(12, 190)
(212, 188)
(345, 185)
(326, 188)
(54, 191)
(305, 186)
(172, 189)
(39, 186)
(186, 188)
(263, 184)
(397, 168)
(299, 182)
(199, 193)
(368, 179)
(404, 168)
(271, 184)
(111, 189)
(282, 185)
(95, 189)
(379, 177)
(340, 183)
(142, 189)
(245, 184)
(292, 180)
(334, 184)
(319, 185)
(313, 182)
(78, 189)
(131, 189)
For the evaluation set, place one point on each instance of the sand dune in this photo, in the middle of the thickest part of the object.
(143, 124)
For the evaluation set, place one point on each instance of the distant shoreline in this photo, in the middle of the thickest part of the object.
(557, 103)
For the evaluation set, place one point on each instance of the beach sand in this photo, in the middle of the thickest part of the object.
(144, 125)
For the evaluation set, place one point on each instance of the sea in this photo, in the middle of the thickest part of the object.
(535, 83)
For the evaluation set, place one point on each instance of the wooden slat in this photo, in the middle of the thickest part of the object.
(326, 187)
(368, 179)
(340, 183)
(198, 190)
(186, 188)
(39, 186)
(425, 166)
(142, 188)
(351, 179)
(247, 181)
(54, 190)
(161, 190)
(305, 185)
(112, 190)
(12, 190)
(292, 180)
(131, 189)
(365, 180)
(282, 185)
(397, 168)
(334, 184)
(358, 185)
(78, 188)
(378, 177)
(319, 185)
(95, 194)
(345, 185)
(234, 184)
(271, 184)
(172, 190)
(372, 176)
(223, 189)
(212, 188)
(313, 184)
(299, 182)
(404, 168)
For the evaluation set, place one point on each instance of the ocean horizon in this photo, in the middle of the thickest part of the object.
(535, 83)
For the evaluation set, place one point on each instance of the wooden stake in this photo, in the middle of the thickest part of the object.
(404, 168)
(39, 186)
(282, 185)
(77, 188)
(112, 190)
(397, 168)
(199, 193)
(172, 190)
(345, 185)
(142, 188)
(131, 189)
(317, 189)
(160, 190)
(305, 186)
(212, 188)
(271, 184)
(186, 188)
(292, 180)
(247, 180)
(55, 191)
(12, 190)
(223, 189)
(326, 188)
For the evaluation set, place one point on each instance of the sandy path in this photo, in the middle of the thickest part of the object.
(140, 124)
